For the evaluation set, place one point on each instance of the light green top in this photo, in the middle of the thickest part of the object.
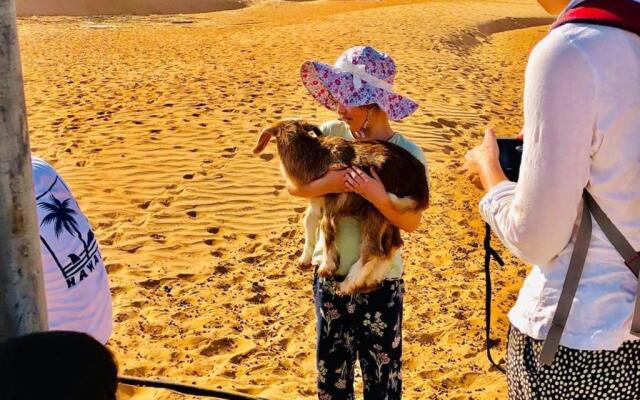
(348, 228)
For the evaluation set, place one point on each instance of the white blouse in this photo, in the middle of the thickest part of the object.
(582, 129)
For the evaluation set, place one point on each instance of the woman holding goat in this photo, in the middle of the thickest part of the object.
(367, 325)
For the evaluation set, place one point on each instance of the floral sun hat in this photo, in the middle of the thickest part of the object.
(360, 76)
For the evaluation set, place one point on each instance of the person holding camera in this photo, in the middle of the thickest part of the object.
(575, 211)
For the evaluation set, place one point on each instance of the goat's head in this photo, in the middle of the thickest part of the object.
(283, 128)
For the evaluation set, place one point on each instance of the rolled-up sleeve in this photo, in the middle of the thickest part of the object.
(535, 217)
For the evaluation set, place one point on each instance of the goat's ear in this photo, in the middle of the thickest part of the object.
(312, 128)
(263, 141)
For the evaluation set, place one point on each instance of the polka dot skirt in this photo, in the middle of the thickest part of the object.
(574, 374)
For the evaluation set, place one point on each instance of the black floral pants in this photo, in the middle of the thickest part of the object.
(367, 327)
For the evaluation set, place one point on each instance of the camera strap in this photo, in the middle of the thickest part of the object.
(623, 14)
(576, 264)
(489, 253)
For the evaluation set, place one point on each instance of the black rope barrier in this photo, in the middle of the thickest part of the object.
(184, 388)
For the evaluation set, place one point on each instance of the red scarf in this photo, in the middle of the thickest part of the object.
(623, 14)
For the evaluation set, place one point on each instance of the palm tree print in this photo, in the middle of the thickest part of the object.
(53, 254)
(62, 216)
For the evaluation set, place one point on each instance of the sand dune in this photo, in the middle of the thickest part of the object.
(123, 7)
(152, 124)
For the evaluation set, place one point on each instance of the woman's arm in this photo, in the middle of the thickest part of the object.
(332, 182)
(373, 190)
(407, 221)
(536, 217)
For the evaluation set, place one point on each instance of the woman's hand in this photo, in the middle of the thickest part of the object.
(483, 163)
(372, 189)
(368, 186)
(335, 181)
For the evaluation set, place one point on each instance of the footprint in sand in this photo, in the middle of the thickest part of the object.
(468, 379)
(121, 317)
(267, 156)
(237, 359)
(429, 339)
(259, 298)
(150, 283)
(218, 346)
(446, 136)
(158, 237)
(221, 269)
(446, 149)
(231, 151)
(447, 123)
(251, 259)
(113, 268)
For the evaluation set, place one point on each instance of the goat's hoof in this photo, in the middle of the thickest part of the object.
(370, 287)
(326, 270)
(305, 266)
(346, 288)
(305, 259)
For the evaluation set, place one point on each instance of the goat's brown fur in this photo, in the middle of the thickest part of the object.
(307, 155)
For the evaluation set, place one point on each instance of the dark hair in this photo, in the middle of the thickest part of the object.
(373, 106)
(57, 365)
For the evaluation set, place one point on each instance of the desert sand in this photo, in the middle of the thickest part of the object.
(151, 120)
(26, 8)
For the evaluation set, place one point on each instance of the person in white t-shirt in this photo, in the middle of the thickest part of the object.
(75, 278)
(581, 130)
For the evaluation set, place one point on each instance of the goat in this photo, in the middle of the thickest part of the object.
(306, 155)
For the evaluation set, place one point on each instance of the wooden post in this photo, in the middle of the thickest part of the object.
(22, 299)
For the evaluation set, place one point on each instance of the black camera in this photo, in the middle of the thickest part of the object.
(510, 157)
